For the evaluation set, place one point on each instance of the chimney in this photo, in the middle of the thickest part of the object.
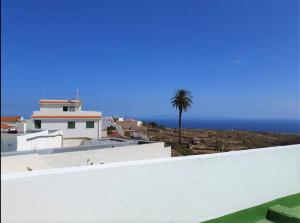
(24, 127)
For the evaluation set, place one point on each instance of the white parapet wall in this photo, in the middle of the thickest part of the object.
(181, 189)
(40, 140)
(80, 129)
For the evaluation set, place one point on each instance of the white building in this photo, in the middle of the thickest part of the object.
(109, 121)
(120, 119)
(13, 123)
(66, 115)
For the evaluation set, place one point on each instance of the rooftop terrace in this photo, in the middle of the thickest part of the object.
(181, 189)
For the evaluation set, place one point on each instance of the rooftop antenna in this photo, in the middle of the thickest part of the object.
(77, 96)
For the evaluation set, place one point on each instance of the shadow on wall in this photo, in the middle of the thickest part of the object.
(8, 143)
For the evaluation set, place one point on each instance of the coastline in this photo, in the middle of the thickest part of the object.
(287, 126)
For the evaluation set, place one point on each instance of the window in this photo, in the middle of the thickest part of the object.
(89, 124)
(71, 125)
(65, 108)
(37, 124)
(72, 109)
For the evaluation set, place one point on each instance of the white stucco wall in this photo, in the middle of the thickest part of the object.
(51, 107)
(29, 124)
(181, 189)
(104, 133)
(79, 131)
(39, 140)
(21, 126)
(58, 107)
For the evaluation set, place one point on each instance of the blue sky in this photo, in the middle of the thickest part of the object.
(238, 58)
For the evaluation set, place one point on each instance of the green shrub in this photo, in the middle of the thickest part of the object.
(182, 149)
(110, 129)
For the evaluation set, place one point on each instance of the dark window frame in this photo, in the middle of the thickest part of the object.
(65, 108)
(91, 126)
(71, 126)
(37, 124)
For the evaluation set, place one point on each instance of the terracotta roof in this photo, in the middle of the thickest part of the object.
(44, 101)
(67, 116)
(115, 134)
(5, 126)
(10, 118)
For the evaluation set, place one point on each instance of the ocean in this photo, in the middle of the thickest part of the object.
(276, 126)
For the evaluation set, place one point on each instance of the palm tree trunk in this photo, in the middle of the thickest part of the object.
(148, 132)
(179, 126)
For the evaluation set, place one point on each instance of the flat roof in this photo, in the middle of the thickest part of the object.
(94, 145)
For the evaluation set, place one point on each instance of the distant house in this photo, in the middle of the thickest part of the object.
(11, 120)
(108, 122)
(66, 115)
(120, 119)
(11, 123)
(129, 124)
(5, 127)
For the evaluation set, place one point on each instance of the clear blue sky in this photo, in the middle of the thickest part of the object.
(238, 58)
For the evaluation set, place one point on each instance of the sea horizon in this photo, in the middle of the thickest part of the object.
(257, 125)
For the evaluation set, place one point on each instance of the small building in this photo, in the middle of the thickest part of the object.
(67, 115)
(120, 119)
(129, 124)
(6, 127)
(109, 122)
(13, 124)
(12, 120)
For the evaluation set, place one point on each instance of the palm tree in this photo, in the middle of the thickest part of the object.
(181, 100)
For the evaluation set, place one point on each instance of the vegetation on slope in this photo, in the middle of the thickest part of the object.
(203, 141)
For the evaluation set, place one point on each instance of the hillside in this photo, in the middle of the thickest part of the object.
(200, 141)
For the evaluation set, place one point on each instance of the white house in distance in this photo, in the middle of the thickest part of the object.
(66, 115)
